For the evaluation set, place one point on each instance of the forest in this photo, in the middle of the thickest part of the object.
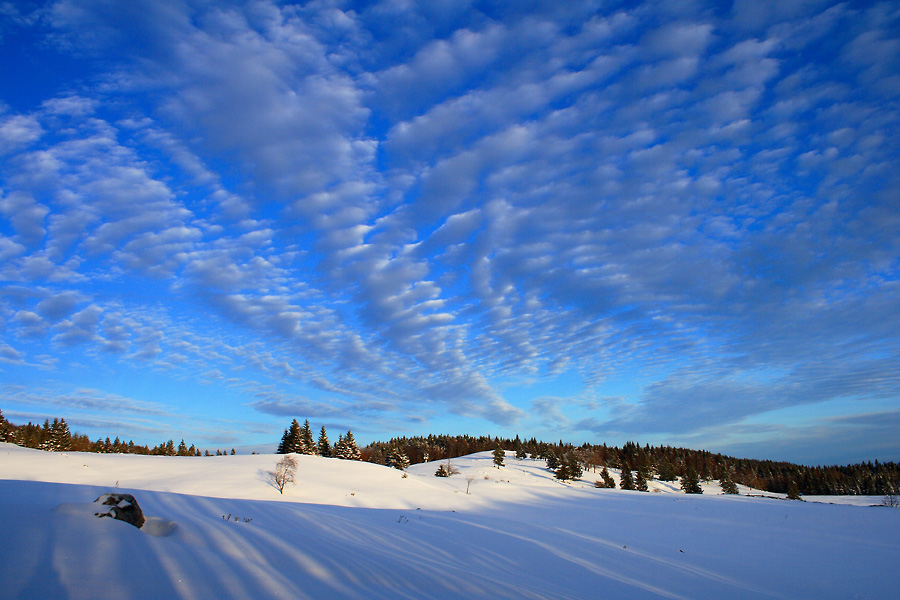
(665, 463)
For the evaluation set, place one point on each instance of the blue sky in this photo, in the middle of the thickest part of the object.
(669, 222)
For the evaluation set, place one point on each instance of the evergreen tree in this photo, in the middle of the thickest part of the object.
(5, 429)
(283, 444)
(728, 486)
(569, 467)
(640, 481)
(627, 481)
(307, 444)
(499, 455)
(44, 442)
(666, 470)
(398, 459)
(606, 479)
(793, 491)
(182, 448)
(690, 482)
(346, 447)
(552, 460)
(520, 449)
(352, 448)
(292, 439)
(324, 445)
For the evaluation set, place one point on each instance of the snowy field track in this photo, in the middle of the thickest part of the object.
(218, 529)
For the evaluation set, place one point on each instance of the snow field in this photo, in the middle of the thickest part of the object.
(356, 530)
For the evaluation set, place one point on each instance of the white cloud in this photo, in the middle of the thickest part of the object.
(17, 131)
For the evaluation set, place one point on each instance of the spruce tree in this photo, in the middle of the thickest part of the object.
(5, 429)
(606, 479)
(291, 440)
(499, 455)
(728, 486)
(307, 445)
(397, 459)
(627, 481)
(569, 468)
(690, 482)
(640, 482)
(323, 444)
(666, 471)
(346, 447)
(352, 448)
(552, 460)
(283, 444)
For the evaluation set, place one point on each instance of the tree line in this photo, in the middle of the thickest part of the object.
(665, 463)
(55, 436)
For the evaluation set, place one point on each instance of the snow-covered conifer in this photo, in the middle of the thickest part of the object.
(323, 444)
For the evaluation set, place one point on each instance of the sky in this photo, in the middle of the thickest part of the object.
(669, 222)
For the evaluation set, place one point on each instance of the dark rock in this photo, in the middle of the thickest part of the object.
(122, 507)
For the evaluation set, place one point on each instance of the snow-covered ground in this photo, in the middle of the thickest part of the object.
(217, 528)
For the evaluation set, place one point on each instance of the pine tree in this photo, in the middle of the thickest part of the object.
(283, 444)
(793, 491)
(397, 459)
(690, 482)
(324, 445)
(666, 471)
(728, 486)
(352, 448)
(346, 447)
(5, 429)
(552, 461)
(569, 468)
(640, 482)
(45, 442)
(291, 441)
(627, 481)
(520, 449)
(499, 455)
(606, 479)
(307, 444)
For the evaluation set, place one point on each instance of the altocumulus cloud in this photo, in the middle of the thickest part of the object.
(460, 216)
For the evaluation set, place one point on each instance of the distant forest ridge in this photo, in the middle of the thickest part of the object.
(55, 436)
(661, 462)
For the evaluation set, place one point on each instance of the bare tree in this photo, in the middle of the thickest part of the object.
(469, 480)
(284, 472)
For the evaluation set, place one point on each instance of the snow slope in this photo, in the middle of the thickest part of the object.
(218, 529)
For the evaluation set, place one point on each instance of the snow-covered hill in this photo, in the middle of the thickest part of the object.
(217, 528)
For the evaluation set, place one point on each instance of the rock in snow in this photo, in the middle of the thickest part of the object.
(122, 507)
